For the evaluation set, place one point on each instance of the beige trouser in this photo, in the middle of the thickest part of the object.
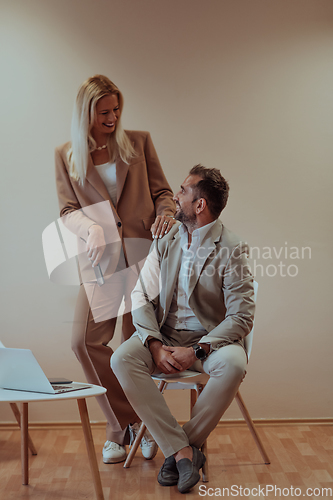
(93, 328)
(133, 365)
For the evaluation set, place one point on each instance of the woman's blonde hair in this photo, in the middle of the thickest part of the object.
(83, 143)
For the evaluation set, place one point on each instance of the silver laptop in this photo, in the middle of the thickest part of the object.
(20, 371)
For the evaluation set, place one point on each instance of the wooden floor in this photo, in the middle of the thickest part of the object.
(301, 455)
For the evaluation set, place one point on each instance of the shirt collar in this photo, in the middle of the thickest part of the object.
(198, 234)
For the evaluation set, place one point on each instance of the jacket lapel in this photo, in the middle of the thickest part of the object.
(206, 248)
(121, 170)
(170, 273)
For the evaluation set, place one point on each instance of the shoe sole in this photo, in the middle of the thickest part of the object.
(162, 482)
(113, 461)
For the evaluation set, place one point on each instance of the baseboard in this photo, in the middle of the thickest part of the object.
(259, 422)
(52, 425)
(6, 426)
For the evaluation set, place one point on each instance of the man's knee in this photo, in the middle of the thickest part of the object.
(126, 355)
(118, 358)
(230, 361)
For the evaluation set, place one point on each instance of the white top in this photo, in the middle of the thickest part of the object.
(181, 316)
(107, 171)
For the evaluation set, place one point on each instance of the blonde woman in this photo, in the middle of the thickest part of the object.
(114, 196)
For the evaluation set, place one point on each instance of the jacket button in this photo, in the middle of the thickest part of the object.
(119, 224)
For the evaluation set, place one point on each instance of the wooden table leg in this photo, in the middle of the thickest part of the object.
(17, 415)
(24, 443)
(90, 448)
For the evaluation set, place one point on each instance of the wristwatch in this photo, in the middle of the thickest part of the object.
(199, 352)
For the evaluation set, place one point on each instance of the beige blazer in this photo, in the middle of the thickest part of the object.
(142, 193)
(220, 288)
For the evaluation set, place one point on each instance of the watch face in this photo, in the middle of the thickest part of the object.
(200, 353)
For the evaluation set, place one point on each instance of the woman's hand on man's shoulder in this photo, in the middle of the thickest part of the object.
(162, 225)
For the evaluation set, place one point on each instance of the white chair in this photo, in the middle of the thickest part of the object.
(196, 382)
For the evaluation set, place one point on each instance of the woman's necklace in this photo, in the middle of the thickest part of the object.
(101, 147)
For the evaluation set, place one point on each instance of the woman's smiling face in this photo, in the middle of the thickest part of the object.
(107, 113)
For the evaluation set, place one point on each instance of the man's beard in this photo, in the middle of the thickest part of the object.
(187, 219)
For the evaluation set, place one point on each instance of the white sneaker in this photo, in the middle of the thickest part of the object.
(148, 445)
(113, 453)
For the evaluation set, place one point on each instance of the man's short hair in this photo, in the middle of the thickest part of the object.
(212, 186)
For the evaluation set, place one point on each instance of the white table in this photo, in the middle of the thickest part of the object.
(24, 398)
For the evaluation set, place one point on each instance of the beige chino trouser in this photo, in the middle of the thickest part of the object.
(133, 365)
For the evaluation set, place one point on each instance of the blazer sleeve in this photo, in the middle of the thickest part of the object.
(160, 190)
(70, 208)
(238, 291)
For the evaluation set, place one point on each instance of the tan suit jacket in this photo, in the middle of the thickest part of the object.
(220, 288)
(142, 193)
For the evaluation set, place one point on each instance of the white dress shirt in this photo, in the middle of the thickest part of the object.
(181, 316)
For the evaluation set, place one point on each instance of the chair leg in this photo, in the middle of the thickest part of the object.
(135, 445)
(162, 385)
(251, 427)
(194, 396)
(17, 415)
(205, 477)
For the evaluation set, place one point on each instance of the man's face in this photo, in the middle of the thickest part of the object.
(185, 199)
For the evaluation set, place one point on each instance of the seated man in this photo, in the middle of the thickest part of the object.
(192, 307)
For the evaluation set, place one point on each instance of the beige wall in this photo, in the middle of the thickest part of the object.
(242, 85)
